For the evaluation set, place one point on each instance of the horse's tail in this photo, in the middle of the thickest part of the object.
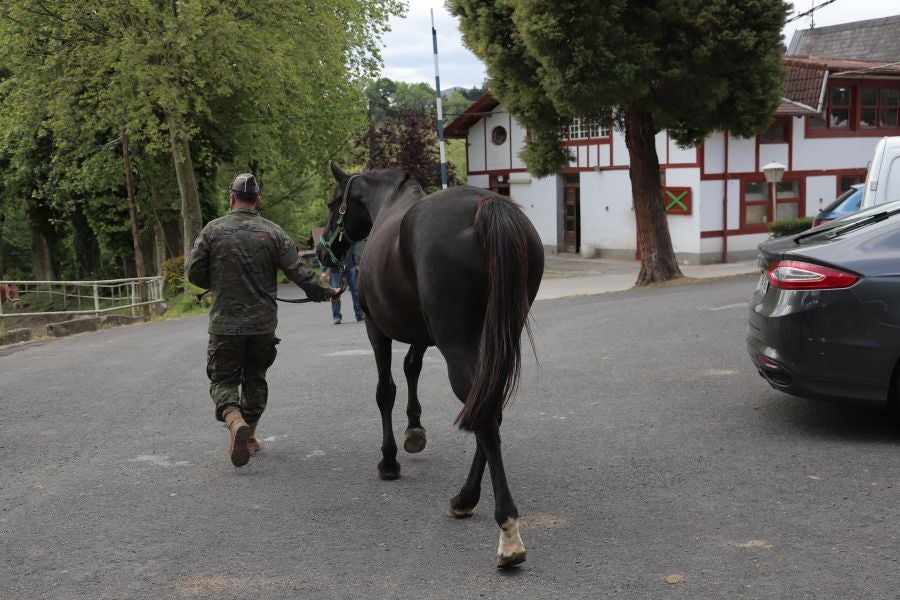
(499, 228)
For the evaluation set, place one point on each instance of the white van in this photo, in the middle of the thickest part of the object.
(883, 180)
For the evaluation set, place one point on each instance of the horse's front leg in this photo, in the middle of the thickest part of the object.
(385, 393)
(511, 550)
(415, 433)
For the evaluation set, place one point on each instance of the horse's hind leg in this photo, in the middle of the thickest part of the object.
(511, 550)
(415, 433)
(385, 393)
(463, 504)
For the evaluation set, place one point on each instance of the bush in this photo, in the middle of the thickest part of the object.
(173, 275)
(790, 226)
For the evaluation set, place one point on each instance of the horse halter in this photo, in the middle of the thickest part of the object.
(339, 232)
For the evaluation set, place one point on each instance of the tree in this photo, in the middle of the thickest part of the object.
(217, 86)
(409, 142)
(688, 66)
(403, 131)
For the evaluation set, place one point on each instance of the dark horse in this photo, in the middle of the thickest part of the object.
(457, 269)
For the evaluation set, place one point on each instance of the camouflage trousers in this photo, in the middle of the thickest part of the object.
(236, 366)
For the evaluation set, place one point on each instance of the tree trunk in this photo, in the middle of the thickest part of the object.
(187, 186)
(40, 260)
(654, 242)
(87, 251)
(159, 247)
(2, 262)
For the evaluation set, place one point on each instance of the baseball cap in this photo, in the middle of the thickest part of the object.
(245, 183)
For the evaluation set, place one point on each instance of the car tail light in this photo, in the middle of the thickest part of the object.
(818, 222)
(797, 275)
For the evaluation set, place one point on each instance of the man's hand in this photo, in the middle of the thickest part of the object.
(336, 293)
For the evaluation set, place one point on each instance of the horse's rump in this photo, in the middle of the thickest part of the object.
(478, 253)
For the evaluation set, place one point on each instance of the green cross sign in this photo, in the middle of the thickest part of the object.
(676, 200)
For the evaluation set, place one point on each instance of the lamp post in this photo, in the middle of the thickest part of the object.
(774, 171)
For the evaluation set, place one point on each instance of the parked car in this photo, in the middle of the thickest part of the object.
(843, 205)
(883, 178)
(825, 316)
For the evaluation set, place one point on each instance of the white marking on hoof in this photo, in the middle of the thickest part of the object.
(511, 550)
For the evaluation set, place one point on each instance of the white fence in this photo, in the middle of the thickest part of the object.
(84, 297)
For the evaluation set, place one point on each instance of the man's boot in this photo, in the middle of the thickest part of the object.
(238, 431)
(253, 443)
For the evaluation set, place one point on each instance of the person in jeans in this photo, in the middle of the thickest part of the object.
(352, 274)
(237, 258)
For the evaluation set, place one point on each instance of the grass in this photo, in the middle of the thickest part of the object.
(184, 305)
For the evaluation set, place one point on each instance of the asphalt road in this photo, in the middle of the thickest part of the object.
(644, 450)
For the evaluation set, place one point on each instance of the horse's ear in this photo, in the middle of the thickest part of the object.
(339, 174)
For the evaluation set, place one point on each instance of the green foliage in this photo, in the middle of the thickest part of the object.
(185, 304)
(268, 88)
(457, 157)
(403, 133)
(454, 105)
(790, 226)
(409, 142)
(173, 275)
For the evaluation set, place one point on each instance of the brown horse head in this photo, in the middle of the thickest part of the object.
(10, 292)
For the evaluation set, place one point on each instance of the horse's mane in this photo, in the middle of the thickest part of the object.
(394, 173)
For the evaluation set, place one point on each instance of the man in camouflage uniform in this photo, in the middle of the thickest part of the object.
(237, 258)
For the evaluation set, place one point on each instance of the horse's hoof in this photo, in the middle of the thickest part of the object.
(516, 558)
(388, 473)
(415, 440)
(511, 550)
(458, 510)
(460, 513)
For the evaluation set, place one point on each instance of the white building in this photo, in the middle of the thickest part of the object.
(718, 203)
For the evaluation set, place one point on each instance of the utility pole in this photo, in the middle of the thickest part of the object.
(132, 209)
(440, 112)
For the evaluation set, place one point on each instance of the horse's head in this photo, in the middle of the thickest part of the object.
(348, 220)
(12, 292)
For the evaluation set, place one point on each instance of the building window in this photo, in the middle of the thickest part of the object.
(873, 107)
(845, 181)
(777, 133)
(581, 128)
(758, 202)
(788, 196)
(868, 111)
(498, 135)
(879, 107)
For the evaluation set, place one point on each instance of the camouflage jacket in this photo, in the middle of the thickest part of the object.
(237, 257)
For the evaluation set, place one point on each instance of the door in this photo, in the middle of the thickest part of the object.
(499, 184)
(572, 213)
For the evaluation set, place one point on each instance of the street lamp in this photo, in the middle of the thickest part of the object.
(773, 172)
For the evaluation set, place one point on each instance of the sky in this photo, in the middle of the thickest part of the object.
(408, 54)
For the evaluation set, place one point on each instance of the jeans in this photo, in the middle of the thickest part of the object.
(352, 274)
